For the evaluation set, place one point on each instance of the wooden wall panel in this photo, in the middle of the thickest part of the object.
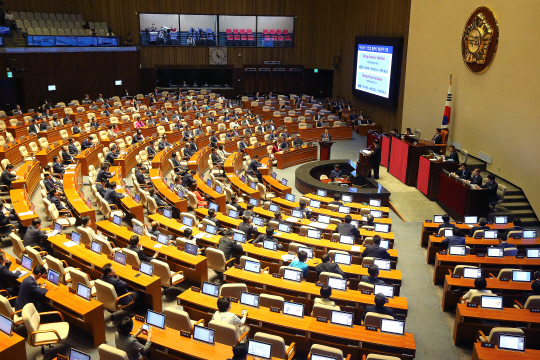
(323, 29)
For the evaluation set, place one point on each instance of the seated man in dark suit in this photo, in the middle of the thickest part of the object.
(7, 177)
(456, 239)
(43, 125)
(463, 172)
(453, 156)
(188, 179)
(517, 226)
(298, 141)
(8, 278)
(54, 197)
(214, 139)
(284, 145)
(101, 187)
(326, 136)
(34, 235)
(247, 227)
(337, 198)
(268, 237)
(163, 144)
(476, 178)
(33, 128)
(336, 172)
(234, 203)
(212, 217)
(217, 161)
(177, 167)
(437, 137)
(150, 150)
(66, 156)
(30, 291)
(253, 168)
(304, 209)
(482, 222)
(104, 174)
(376, 250)
(113, 197)
(229, 248)
(134, 246)
(87, 143)
(159, 201)
(446, 223)
(72, 148)
(120, 286)
(502, 242)
(139, 176)
(379, 308)
(242, 144)
(373, 277)
(327, 266)
(492, 186)
(347, 228)
(111, 155)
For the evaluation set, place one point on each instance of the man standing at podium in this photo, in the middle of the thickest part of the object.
(326, 136)
(336, 172)
(375, 159)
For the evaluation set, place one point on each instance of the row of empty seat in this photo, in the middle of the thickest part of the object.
(46, 16)
(62, 32)
(50, 24)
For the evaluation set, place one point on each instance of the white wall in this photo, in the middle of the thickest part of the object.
(275, 22)
(237, 22)
(495, 112)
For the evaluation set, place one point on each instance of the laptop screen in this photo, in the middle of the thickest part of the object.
(180, 194)
(375, 202)
(321, 192)
(213, 205)
(249, 299)
(209, 183)
(344, 259)
(210, 289)
(511, 342)
(26, 263)
(258, 221)
(297, 214)
(344, 210)
(382, 264)
(501, 220)
(120, 258)
(393, 326)
(167, 213)
(233, 214)
(76, 237)
(155, 319)
(457, 250)
(472, 273)
(294, 275)
(346, 198)
(313, 234)
(78, 355)
(437, 219)
(117, 220)
(533, 253)
(385, 244)
(253, 186)
(84, 291)
(384, 228)
(58, 227)
(289, 197)
(294, 309)
(243, 178)
(252, 266)
(259, 349)
(341, 318)
(471, 220)
(284, 182)
(284, 228)
(377, 214)
(53, 277)
(163, 239)
(355, 223)
(147, 269)
(203, 334)
(218, 189)
(253, 201)
(6, 325)
(495, 252)
(138, 229)
(269, 245)
(387, 290)
(448, 232)
(324, 219)
(315, 204)
(171, 186)
(211, 229)
(529, 234)
(239, 237)
(521, 275)
(491, 302)
(274, 175)
(187, 221)
(191, 248)
(490, 234)
(273, 208)
(307, 250)
(337, 284)
(346, 239)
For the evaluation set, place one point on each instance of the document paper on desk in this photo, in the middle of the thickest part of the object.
(288, 257)
(318, 225)
(25, 213)
(69, 243)
(199, 235)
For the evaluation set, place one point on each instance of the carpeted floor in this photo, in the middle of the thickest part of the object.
(431, 327)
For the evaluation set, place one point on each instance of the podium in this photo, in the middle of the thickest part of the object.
(363, 165)
(324, 150)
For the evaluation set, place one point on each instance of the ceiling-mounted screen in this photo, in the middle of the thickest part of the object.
(159, 29)
(198, 30)
(237, 30)
(275, 31)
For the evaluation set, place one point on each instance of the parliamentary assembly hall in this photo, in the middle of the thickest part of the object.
(269, 179)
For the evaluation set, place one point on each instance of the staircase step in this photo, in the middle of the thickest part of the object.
(529, 221)
(523, 213)
(514, 198)
(513, 206)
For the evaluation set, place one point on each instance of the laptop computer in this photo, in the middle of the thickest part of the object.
(53, 277)
(213, 205)
(346, 198)
(384, 228)
(258, 221)
(203, 334)
(293, 275)
(163, 239)
(211, 229)
(269, 245)
(490, 234)
(315, 204)
(448, 232)
(286, 228)
(457, 250)
(187, 221)
(290, 197)
(239, 237)
(297, 214)
(119, 258)
(346, 239)
(273, 208)
(438, 219)
(323, 219)
(307, 250)
(249, 299)
(233, 214)
(147, 269)
(471, 220)
(344, 259)
(386, 290)
(533, 253)
(84, 291)
(167, 213)
(321, 192)
(341, 318)
(495, 252)
(117, 220)
(529, 234)
(155, 319)
(521, 275)
(321, 357)
(252, 266)
(78, 355)
(396, 327)
(191, 249)
(253, 201)
(383, 264)
(511, 342)
(210, 289)
(491, 302)
(6, 325)
(293, 309)
(337, 284)
(344, 210)
(259, 349)
(76, 237)
(472, 273)
(500, 220)
(314, 234)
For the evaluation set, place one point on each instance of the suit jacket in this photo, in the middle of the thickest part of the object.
(29, 292)
(476, 180)
(474, 228)
(492, 187)
(86, 144)
(372, 280)
(43, 126)
(102, 174)
(54, 200)
(215, 158)
(214, 140)
(464, 174)
(453, 156)
(376, 252)
(298, 142)
(67, 156)
(139, 176)
(437, 138)
(284, 145)
(188, 180)
(33, 129)
(6, 178)
(242, 145)
(229, 247)
(446, 225)
(453, 240)
(76, 130)
(159, 202)
(379, 310)
(112, 197)
(150, 150)
(6, 277)
(326, 136)
(120, 287)
(254, 166)
(329, 267)
(100, 189)
(163, 144)
(348, 229)
(110, 157)
(375, 157)
(142, 256)
(73, 149)
(248, 229)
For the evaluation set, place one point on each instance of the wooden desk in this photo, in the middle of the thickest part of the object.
(30, 176)
(211, 194)
(21, 203)
(428, 175)
(304, 331)
(429, 228)
(469, 320)
(53, 134)
(169, 196)
(363, 130)
(477, 245)
(86, 315)
(161, 160)
(89, 157)
(92, 264)
(169, 342)
(306, 292)
(458, 199)
(194, 267)
(11, 152)
(72, 189)
(259, 149)
(12, 347)
(127, 159)
(443, 263)
(482, 353)
(45, 156)
(241, 188)
(509, 289)
(296, 156)
(355, 207)
(134, 208)
(275, 186)
(338, 133)
(233, 163)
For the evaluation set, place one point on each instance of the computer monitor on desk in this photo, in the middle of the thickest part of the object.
(203, 334)
(78, 355)
(511, 342)
(259, 349)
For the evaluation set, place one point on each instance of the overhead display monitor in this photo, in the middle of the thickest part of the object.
(237, 30)
(159, 29)
(377, 69)
(275, 31)
(198, 30)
